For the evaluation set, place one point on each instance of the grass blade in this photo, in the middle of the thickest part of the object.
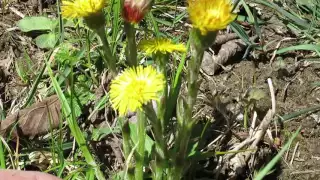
(274, 160)
(73, 125)
(285, 13)
(308, 47)
(290, 116)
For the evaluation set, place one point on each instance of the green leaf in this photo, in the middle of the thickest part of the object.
(308, 47)
(290, 116)
(240, 32)
(76, 106)
(34, 23)
(100, 133)
(118, 175)
(256, 94)
(305, 2)
(315, 84)
(134, 137)
(248, 11)
(46, 40)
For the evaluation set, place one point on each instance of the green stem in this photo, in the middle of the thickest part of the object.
(126, 146)
(132, 46)
(161, 125)
(162, 60)
(141, 145)
(35, 84)
(197, 51)
(89, 59)
(245, 117)
(161, 151)
(184, 132)
(79, 136)
(108, 56)
(126, 138)
(2, 156)
(2, 150)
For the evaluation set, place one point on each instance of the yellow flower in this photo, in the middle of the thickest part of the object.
(161, 45)
(210, 15)
(134, 87)
(81, 8)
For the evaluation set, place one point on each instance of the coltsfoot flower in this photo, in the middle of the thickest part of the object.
(134, 10)
(210, 15)
(160, 45)
(81, 8)
(134, 87)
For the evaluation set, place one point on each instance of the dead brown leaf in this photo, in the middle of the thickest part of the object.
(212, 63)
(34, 120)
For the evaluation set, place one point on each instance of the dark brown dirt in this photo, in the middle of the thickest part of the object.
(17, 49)
(292, 94)
(294, 90)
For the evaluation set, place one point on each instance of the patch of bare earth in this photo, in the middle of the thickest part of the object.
(292, 78)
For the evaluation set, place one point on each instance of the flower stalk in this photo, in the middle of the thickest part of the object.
(162, 60)
(131, 50)
(207, 17)
(161, 149)
(126, 145)
(198, 44)
(141, 146)
(126, 137)
(108, 56)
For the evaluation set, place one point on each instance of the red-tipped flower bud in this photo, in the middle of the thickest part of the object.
(134, 10)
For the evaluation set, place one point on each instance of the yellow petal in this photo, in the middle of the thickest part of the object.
(81, 8)
(161, 45)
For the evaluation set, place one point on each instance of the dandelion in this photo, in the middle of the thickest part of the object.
(81, 8)
(134, 87)
(134, 10)
(210, 15)
(160, 45)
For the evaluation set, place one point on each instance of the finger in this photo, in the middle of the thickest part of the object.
(25, 175)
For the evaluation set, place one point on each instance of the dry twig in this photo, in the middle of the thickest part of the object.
(239, 161)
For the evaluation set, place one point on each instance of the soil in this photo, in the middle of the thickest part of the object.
(15, 48)
(292, 79)
(292, 93)
(294, 90)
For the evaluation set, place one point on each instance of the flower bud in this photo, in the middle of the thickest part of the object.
(133, 11)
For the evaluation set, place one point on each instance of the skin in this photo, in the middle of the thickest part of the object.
(25, 175)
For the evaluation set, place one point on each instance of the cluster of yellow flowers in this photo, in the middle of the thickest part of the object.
(138, 85)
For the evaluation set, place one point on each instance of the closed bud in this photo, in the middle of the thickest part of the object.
(133, 11)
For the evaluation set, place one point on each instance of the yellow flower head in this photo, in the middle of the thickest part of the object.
(134, 87)
(210, 15)
(81, 8)
(161, 45)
